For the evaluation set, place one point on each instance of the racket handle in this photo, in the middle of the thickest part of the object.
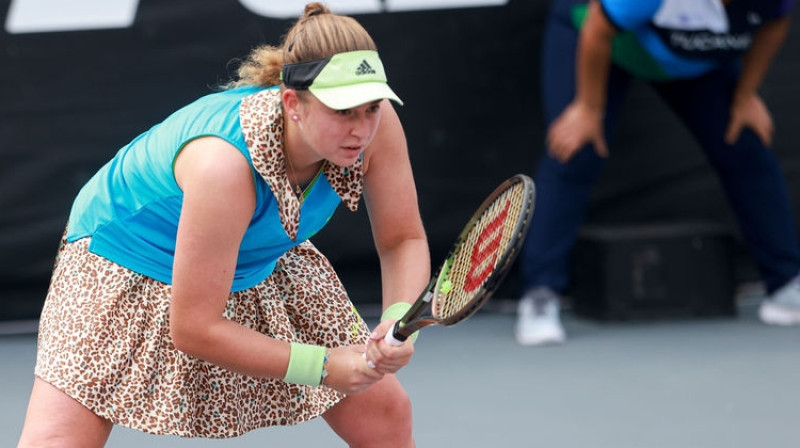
(394, 337)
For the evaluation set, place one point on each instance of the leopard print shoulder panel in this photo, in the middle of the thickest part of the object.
(261, 118)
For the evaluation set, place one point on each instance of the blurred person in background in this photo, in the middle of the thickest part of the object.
(706, 59)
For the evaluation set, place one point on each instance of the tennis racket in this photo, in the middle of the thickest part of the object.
(477, 263)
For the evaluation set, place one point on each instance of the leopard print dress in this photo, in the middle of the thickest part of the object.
(104, 330)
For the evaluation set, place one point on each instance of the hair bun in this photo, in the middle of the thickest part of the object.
(316, 8)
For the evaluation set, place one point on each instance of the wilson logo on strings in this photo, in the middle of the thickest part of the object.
(484, 252)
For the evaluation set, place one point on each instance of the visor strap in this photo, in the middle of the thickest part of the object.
(301, 75)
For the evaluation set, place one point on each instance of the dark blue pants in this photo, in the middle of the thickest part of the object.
(748, 171)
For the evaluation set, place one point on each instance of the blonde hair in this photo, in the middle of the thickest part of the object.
(317, 34)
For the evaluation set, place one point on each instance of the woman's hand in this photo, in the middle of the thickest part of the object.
(577, 126)
(348, 371)
(750, 111)
(383, 357)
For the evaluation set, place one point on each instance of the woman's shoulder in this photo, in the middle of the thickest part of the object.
(228, 98)
(214, 114)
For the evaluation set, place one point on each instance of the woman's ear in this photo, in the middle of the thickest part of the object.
(290, 102)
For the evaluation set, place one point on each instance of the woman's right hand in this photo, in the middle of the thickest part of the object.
(577, 126)
(348, 371)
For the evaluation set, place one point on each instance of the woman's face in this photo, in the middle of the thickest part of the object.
(339, 136)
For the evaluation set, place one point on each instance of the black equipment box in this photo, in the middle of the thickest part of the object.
(653, 271)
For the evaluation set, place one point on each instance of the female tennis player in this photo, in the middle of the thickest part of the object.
(186, 298)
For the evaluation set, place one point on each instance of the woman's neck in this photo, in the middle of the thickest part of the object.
(302, 163)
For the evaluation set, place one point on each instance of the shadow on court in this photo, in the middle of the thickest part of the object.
(712, 383)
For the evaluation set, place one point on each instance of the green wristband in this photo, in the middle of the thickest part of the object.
(395, 312)
(305, 364)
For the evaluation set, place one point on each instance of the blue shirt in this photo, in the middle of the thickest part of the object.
(685, 38)
(131, 206)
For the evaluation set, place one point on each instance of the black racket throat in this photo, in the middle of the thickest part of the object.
(411, 321)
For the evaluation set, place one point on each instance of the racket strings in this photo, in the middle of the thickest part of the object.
(477, 256)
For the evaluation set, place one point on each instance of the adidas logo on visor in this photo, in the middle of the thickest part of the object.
(365, 69)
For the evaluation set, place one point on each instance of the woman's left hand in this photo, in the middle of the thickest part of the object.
(383, 357)
(750, 111)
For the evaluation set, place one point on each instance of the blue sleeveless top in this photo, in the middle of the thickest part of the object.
(131, 206)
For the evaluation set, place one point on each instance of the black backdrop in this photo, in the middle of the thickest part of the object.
(469, 78)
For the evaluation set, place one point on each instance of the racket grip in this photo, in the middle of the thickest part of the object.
(394, 337)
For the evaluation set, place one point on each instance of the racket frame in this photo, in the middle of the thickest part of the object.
(412, 321)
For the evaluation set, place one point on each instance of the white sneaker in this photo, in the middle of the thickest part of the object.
(538, 320)
(783, 306)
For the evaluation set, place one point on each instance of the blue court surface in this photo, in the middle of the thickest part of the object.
(691, 383)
